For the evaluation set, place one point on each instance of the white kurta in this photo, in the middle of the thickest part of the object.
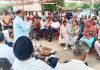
(55, 25)
(7, 52)
(20, 28)
(70, 39)
(73, 65)
(63, 32)
(6, 34)
(30, 64)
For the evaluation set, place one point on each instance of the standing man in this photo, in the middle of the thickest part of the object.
(20, 27)
(6, 20)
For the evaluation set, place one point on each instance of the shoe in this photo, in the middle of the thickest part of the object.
(49, 40)
(66, 48)
(62, 44)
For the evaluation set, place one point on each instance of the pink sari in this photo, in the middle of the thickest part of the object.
(90, 31)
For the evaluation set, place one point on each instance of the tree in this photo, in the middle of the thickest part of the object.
(59, 3)
(52, 7)
(85, 6)
(97, 7)
(72, 5)
(49, 7)
(5, 8)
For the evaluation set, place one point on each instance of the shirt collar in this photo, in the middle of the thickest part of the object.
(18, 16)
(78, 61)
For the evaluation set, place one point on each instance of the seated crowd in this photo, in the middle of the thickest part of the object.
(81, 35)
(25, 59)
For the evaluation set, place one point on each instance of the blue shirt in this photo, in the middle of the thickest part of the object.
(20, 28)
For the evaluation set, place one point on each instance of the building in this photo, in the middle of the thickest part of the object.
(27, 5)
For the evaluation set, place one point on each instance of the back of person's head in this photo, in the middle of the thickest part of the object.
(23, 48)
(1, 37)
(6, 13)
(18, 11)
(80, 48)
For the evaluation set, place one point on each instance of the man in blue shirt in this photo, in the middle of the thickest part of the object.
(69, 15)
(20, 27)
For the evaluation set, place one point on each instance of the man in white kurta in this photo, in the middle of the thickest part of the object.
(20, 27)
(5, 50)
(79, 59)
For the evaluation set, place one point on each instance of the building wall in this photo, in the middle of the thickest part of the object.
(36, 6)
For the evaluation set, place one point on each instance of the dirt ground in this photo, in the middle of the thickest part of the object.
(67, 55)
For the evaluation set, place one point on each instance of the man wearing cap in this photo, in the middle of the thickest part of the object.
(25, 60)
(20, 27)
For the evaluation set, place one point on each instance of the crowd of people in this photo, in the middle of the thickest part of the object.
(79, 33)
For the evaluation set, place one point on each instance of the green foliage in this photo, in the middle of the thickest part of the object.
(72, 5)
(85, 6)
(60, 2)
(52, 7)
(5, 8)
(97, 6)
(49, 7)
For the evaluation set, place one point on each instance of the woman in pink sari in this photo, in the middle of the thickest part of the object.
(89, 33)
